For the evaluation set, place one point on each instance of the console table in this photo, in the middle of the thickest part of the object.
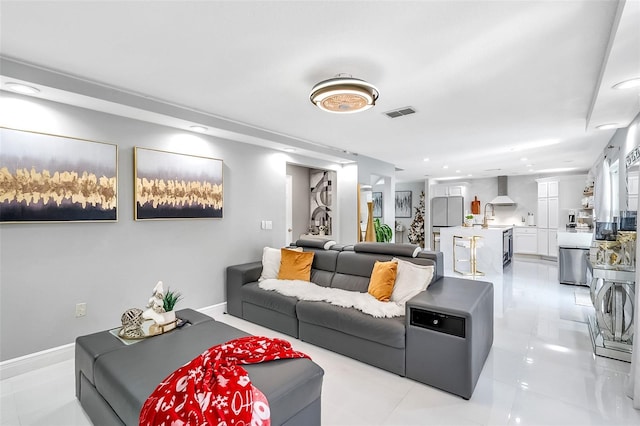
(613, 295)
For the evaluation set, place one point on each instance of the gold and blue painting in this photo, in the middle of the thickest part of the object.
(169, 185)
(51, 178)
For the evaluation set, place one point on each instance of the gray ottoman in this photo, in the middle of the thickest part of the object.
(113, 380)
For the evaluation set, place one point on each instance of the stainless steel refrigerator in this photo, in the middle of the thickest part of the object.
(445, 212)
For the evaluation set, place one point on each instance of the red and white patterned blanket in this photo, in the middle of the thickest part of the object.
(213, 389)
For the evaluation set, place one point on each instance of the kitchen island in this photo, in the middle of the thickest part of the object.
(490, 253)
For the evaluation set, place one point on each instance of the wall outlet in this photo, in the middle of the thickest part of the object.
(81, 309)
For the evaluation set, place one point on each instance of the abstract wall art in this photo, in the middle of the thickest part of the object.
(377, 204)
(51, 178)
(321, 200)
(176, 186)
(403, 203)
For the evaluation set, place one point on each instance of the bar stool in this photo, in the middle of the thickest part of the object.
(472, 244)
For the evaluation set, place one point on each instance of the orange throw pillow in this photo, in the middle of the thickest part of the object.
(295, 265)
(383, 277)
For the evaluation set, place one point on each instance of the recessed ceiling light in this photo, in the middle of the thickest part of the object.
(457, 171)
(198, 128)
(469, 175)
(22, 88)
(445, 167)
(608, 126)
(289, 150)
(523, 159)
(426, 159)
(628, 84)
(529, 165)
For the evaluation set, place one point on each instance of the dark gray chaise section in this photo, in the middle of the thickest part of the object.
(382, 342)
(113, 380)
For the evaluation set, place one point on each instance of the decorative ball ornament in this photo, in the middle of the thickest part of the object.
(132, 324)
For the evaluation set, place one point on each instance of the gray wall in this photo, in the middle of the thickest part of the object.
(47, 268)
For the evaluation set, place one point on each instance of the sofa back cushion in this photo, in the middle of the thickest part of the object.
(323, 266)
(353, 270)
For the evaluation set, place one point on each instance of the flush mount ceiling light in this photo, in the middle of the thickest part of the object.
(22, 88)
(628, 84)
(344, 94)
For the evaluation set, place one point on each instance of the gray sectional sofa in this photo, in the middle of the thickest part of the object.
(455, 313)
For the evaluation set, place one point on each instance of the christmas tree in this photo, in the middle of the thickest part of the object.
(416, 230)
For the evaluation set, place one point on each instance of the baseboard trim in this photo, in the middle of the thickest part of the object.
(214, 311)
(24, 364)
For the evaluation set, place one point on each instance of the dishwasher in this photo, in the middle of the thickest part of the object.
(572, 265)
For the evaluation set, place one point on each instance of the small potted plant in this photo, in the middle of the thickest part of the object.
(468, 220)
(168, 303)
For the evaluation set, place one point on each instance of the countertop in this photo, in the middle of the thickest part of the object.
(578, 230)
(479, 227)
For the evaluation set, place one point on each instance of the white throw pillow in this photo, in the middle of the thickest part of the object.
(271, 263)
(411, 279)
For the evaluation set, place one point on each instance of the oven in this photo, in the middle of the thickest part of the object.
(507, 246)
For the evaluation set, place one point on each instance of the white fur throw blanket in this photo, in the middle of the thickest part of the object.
(305, 290)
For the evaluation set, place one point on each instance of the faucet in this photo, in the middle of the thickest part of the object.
(485, 223)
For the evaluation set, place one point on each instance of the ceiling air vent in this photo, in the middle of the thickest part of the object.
(400, 112)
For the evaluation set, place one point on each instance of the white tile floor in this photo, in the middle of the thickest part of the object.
(541, 371)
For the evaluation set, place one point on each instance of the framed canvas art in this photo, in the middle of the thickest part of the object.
(403, 203)
(52, 178)
(169, 185)
(377, 204)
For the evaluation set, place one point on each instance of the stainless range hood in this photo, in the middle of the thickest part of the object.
(502, 199)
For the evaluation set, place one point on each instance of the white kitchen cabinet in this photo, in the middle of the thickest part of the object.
(448, 190)
(548, 211)
(548, 189)
(525, 240)
(548, 242)
(552, 212)
(543, 242)
(543, 212)
(553, 243)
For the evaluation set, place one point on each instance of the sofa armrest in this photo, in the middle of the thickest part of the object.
(454, 295)
(237, 276)
(438, 258)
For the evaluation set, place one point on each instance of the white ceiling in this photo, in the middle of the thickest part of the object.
(492, 81)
